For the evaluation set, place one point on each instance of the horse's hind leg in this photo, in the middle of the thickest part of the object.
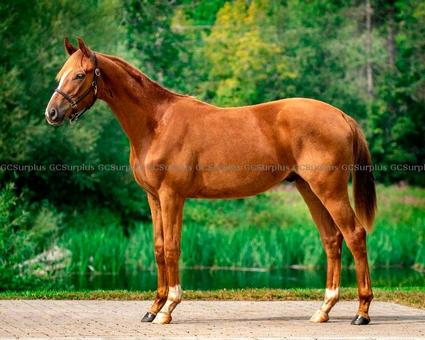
(332, 242)
(331, 189)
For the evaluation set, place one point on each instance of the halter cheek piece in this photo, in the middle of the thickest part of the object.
(73, 102)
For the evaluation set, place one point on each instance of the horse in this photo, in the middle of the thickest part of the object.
(181, 147)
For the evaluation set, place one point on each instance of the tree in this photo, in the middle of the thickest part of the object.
(33, 53)
(397, 118)
(246, 63)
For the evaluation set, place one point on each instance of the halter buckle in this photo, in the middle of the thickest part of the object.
(97, 72)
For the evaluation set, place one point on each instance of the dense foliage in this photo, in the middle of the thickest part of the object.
(365, 57)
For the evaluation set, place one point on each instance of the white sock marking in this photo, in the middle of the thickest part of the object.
(331, 297)
(174, 297)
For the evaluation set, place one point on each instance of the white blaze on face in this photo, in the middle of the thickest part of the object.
(61, 81)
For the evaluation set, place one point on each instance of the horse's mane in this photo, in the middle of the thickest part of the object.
(138, 75)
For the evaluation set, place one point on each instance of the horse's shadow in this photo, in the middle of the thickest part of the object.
(377, 320)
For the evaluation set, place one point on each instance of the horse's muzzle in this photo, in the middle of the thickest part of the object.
(54, 116)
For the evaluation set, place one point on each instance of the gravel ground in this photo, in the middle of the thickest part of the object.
(200, 319)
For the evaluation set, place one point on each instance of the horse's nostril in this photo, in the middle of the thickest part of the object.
(53, 113)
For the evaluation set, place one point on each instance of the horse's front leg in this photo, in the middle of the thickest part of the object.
(162, 290)
(171, 212)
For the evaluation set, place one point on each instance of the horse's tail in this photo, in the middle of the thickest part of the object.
(363, 180)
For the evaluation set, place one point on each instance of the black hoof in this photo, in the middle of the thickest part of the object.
(148, 317)
(360, 320)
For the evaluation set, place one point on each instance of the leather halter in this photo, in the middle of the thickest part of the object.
(73, 102)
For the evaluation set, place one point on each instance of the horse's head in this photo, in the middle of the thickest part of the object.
(77, 87)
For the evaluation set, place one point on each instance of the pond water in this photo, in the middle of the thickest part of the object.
(207, 279)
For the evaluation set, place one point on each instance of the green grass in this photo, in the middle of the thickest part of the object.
(271, 230)
(414, 297)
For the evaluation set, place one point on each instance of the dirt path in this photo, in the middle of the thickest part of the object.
(218, 319)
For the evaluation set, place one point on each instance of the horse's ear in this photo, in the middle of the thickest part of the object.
(86, 51)
(68, 46)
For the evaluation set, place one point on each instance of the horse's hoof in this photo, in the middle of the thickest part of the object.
(162, 318)
(149, 317)
(319, 316)
(360, 320)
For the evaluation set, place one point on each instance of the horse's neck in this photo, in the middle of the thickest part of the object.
(137, 102)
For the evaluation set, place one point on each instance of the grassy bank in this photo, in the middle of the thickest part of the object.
(414, 297)
(272, 230)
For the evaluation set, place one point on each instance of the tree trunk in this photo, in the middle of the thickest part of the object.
(391, 33)
(369, 70)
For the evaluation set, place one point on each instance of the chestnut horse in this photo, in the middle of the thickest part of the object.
(184, 148)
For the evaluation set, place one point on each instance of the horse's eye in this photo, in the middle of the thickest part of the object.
(80, 76)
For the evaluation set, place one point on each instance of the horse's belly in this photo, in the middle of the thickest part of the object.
(239, 162)
(238, 175)
(234, 185)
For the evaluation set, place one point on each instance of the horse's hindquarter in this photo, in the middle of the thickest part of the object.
(321, 138)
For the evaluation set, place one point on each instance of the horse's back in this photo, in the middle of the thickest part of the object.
(236, 152)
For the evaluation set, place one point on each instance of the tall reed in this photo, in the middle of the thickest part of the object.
(272, 230)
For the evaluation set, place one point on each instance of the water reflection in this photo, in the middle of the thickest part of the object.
(207, 279)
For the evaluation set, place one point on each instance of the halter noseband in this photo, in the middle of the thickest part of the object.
(73, 102)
